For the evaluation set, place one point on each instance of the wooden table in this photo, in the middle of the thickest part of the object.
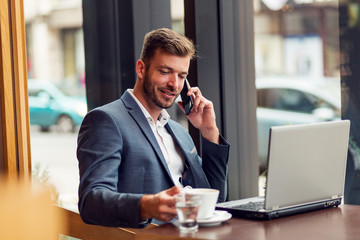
(339, 223)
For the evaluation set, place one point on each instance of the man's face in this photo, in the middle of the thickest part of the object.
(164, 79)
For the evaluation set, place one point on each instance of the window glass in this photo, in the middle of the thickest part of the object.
(57, 103)
(296, 62)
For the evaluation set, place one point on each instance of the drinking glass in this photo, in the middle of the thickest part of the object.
(187, 207)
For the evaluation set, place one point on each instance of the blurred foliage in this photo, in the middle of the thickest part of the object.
(42, 176)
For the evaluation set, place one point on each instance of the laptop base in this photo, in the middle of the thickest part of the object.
(273, 214)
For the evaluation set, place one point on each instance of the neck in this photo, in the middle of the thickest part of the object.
(152, 110)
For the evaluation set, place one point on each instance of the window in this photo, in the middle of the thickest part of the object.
(296, 62)
(57, 103)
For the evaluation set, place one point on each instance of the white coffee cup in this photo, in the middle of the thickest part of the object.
(208, 200)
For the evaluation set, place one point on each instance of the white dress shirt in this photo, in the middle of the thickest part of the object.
(171, 151)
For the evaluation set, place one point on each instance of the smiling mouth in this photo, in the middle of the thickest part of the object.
(170, 94)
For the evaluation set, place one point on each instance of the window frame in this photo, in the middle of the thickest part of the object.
(15, 132)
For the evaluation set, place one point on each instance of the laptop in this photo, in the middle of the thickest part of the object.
(306, 171)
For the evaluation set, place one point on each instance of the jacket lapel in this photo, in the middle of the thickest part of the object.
(195, 176)
(136, 113)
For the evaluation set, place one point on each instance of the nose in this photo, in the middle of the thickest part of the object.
(174, 81)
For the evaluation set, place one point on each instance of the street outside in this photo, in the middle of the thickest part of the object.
(56, 154)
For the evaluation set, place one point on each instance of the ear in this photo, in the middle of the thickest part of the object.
(140, 69)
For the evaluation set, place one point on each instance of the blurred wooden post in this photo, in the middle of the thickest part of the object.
(27, 212)
(15, 154)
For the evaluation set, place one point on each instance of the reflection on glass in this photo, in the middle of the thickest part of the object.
(296, 62)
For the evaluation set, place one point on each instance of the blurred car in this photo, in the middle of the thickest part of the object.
(49, 107)
(293, 101)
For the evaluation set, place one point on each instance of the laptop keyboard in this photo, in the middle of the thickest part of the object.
(250, 206)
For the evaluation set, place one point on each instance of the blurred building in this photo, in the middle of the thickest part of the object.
(54, 41)
(55, 44)
(296, 37)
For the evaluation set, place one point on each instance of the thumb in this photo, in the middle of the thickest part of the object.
(181, 105)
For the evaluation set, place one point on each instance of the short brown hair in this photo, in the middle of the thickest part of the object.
(168, 41)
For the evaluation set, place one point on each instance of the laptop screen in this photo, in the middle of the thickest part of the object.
(306, 163)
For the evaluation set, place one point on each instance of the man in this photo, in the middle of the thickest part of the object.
(132, 158)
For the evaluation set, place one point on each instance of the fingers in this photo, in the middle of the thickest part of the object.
(200, 103)
(161, 205)
(195, 91)
(166, 198)
(166, 203)
(174, 190)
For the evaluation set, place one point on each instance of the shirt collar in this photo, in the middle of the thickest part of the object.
(163, 116)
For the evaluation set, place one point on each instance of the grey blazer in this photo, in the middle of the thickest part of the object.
(120, 160)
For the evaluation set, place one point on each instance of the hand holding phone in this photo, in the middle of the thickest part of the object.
(186, 100)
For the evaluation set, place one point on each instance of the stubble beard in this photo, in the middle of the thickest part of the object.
(150, 94)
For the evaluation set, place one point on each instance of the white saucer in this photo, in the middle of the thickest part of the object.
(217, 218)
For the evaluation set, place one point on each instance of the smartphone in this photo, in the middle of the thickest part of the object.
(187, 100)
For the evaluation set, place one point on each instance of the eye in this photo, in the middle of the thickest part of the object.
(164, 72)
(182, 77)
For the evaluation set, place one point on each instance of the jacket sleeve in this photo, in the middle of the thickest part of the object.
(214, 164)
